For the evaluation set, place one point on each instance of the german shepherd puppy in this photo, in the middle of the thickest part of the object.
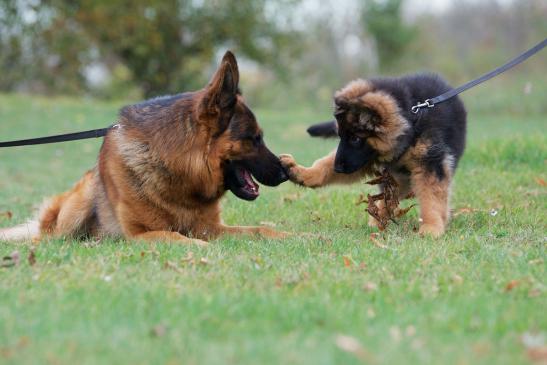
(378, 130)
(162, 171)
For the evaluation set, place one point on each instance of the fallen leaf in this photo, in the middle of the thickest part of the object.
(171, 265)
(540, 181)
(511, 285)
(268, 224)
(410, 331)
(203, 261)
(535, 346)
(10, 260)
(347, 261)
(457, 279)
(370, 287)
(291, 197)
(395, 333)
(189, 257)
(158, 330)
(465, 210)
(7, 214)
(538, 354)
(351, 345)
(390, 197)
(374, 238)
(31, 258)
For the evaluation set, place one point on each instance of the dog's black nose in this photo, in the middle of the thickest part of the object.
(283, 176)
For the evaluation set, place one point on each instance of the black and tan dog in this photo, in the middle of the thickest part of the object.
(377, 129)
(161, 174)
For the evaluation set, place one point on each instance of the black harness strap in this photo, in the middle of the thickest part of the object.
(95, 133)
(430, 103)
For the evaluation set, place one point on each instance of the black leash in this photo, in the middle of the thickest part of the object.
(95, 133)
(430, 103)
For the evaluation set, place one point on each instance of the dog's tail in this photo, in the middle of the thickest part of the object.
(23, 232)
(325, 129)
(68, 214)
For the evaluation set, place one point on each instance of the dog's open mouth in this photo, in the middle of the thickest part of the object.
(240, 181)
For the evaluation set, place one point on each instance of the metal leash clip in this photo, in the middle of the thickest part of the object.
(416, 108)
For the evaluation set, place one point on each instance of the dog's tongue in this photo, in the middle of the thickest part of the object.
(249, 182)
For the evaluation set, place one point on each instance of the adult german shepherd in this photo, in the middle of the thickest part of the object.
(378, 130)
(162, 172)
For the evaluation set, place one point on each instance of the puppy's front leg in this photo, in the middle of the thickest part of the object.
(321, 173)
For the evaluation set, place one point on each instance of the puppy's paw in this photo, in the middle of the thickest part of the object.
(433, 230)
(308, 177)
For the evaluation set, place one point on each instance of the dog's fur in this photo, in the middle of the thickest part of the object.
(162, 172)
(377, 129)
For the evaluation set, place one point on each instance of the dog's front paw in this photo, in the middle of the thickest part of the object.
(433, 230)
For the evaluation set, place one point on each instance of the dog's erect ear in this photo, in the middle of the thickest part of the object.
(221, 92)
(341, 105)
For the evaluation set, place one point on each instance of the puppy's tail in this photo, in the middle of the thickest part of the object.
(23, 232)
(325, 129)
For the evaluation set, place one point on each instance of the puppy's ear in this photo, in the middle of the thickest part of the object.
(341, 104)
(221, 92)
(368, 118)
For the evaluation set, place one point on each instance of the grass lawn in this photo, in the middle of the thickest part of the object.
(466, 298)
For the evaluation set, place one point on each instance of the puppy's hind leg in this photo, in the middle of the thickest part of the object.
(433, 195)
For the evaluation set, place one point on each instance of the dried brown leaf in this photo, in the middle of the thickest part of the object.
(10, 260)
(31, 258)
(540, 181)
(376, 242)
(537, 354)
(512, 285)
(353, 346)
(347, 261)
(6, 215)
(158, 330)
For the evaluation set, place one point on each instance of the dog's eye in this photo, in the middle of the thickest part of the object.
(355, 141)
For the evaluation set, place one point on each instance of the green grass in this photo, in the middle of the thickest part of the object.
(418, 301)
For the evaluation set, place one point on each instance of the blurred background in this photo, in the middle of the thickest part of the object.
(290, 52)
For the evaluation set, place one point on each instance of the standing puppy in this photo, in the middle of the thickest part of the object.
(162, 172)
(377, 129)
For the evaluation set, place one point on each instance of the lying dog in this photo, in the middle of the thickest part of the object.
(162, 172)
(378, 130)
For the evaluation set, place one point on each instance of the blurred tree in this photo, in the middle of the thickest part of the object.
(384, 22)
(163, 43)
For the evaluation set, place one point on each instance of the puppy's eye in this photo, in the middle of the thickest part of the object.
(355, 141)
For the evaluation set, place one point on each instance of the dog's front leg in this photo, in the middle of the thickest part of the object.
(262, 231)
(321, 173)
(166, 236)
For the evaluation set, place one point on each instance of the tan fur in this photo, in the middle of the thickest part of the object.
(321, 173)
(433, 194)
(354, 89)
(159, 175)
(393, 124)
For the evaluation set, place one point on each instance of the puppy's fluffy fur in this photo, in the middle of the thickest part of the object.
(378, 130)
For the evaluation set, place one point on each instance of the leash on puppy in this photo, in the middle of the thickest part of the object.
(429, 103)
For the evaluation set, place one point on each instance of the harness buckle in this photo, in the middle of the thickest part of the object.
(416, 108)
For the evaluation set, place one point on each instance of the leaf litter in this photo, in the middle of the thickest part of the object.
(390, 198)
